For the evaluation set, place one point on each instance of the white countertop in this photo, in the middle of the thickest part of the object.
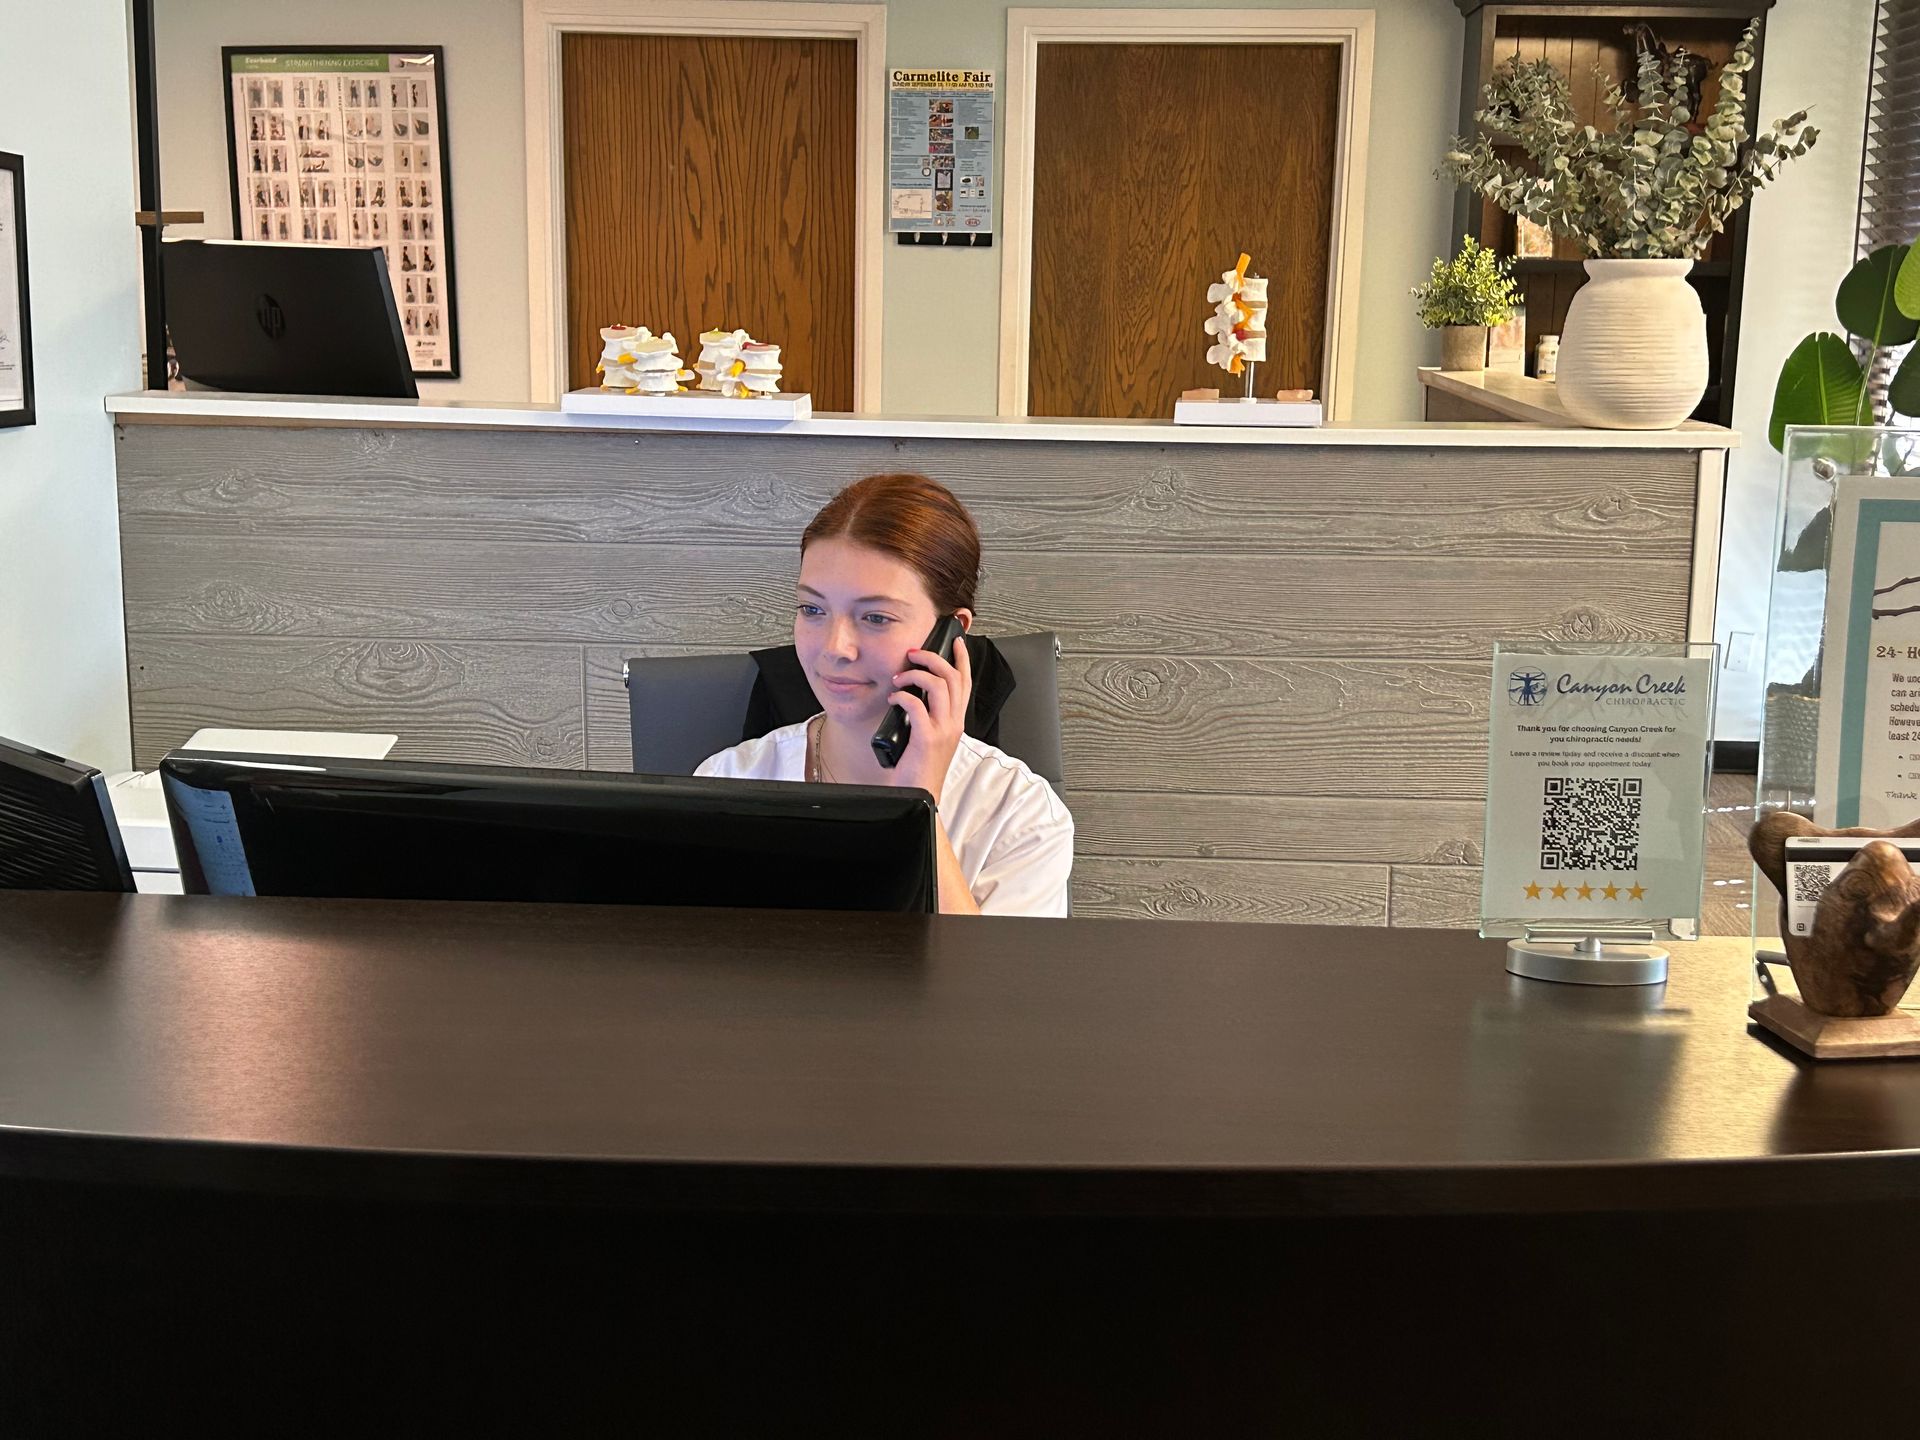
(211, 407)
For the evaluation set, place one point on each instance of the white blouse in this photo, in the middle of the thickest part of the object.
(1011, 834)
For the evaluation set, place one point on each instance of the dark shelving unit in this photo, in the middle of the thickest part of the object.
(1577, 37)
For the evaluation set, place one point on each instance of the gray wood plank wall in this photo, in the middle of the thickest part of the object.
(1275, 678)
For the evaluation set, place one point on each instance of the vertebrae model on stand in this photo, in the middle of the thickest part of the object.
(1239, 321)
(639, 362)
(734, 364)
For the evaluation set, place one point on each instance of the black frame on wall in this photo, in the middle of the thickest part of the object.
(15, 166)
(447, 242)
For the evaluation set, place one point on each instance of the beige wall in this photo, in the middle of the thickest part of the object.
(1800, 243)
(63, 678)
(486, 136)
(941, 311)
(942, 307)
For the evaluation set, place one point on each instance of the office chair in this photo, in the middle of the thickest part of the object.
(684, 708)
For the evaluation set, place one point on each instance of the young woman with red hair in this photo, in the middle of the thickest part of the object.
(879, 565)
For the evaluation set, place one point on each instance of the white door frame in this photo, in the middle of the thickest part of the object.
(1352, 30)
(545, 21)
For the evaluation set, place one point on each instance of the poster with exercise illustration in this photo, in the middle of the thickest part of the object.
(16, 401)
(1868, 769)
(349, 147)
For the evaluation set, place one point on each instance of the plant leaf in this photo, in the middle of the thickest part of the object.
(1903, 391)
(1906, 285)
(1809, 552)
(1819, 385)
(1865, 302)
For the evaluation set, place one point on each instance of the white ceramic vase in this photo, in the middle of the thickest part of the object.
(1463, 347)
(1633, 352)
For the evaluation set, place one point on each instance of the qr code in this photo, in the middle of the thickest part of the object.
(1590, 823)
(1810, 882)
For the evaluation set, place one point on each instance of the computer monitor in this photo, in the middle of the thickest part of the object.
(57, 830)
(286, 319)
(386, 829)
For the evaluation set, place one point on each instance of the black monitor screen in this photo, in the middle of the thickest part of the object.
(384, 829)
(57, 830)
(286, 319)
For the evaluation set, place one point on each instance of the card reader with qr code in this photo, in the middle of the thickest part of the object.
(1814, 860)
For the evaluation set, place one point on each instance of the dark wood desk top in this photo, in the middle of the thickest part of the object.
(702, 1059)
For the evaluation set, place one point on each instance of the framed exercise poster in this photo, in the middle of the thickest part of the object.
(332, 145)
(16, 329)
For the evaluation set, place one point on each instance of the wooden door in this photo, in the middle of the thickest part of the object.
(710, 183)
(1154, 167)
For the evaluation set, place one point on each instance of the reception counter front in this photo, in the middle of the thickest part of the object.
(1276, 644)
(499, 1168)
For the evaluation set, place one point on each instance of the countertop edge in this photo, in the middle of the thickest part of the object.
(776, 1186)
(217, 408)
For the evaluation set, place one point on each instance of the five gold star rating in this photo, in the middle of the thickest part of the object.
(1586, 892)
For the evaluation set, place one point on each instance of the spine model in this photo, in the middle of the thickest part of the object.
(1239, 320)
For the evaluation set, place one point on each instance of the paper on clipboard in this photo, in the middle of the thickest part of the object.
(1867, 761)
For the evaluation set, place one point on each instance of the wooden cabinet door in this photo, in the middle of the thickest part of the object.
(1154, 167)
(710, 183)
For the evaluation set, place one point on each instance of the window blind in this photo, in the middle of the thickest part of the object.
(1890, 169)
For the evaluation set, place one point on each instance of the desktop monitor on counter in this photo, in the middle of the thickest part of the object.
(286, 319)
(384, 829)
(56, 825)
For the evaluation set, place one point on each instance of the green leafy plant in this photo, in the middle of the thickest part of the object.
(1823, 381)
(1475, 287)
(1649, 184)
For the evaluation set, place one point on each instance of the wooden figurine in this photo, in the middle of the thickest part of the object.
(1862, 952)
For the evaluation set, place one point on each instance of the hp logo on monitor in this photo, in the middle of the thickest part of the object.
(270, 316)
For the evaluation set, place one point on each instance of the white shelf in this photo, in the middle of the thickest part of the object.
(215, 407)
(1535, 402)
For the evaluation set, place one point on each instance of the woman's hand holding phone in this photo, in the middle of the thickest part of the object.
(935, 696)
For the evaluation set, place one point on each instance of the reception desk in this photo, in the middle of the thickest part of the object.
(417, 1168)
(1276, 643)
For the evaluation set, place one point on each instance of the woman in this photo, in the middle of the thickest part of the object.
(886, 558)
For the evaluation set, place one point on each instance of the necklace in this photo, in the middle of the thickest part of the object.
(817, 769)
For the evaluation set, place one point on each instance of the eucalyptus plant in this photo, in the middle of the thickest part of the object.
(1647, 184)
(1475, 287)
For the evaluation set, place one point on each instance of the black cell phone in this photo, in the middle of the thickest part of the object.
(890, 740)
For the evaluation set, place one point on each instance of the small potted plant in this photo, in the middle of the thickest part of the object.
(1641, 194)
(1461, 298)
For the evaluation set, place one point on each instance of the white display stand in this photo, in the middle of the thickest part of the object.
(1238, 411)
(687, 405)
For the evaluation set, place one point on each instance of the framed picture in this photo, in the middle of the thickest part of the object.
(16, 323)
(347, 145)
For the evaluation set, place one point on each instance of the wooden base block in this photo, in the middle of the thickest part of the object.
(1838, 1037)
